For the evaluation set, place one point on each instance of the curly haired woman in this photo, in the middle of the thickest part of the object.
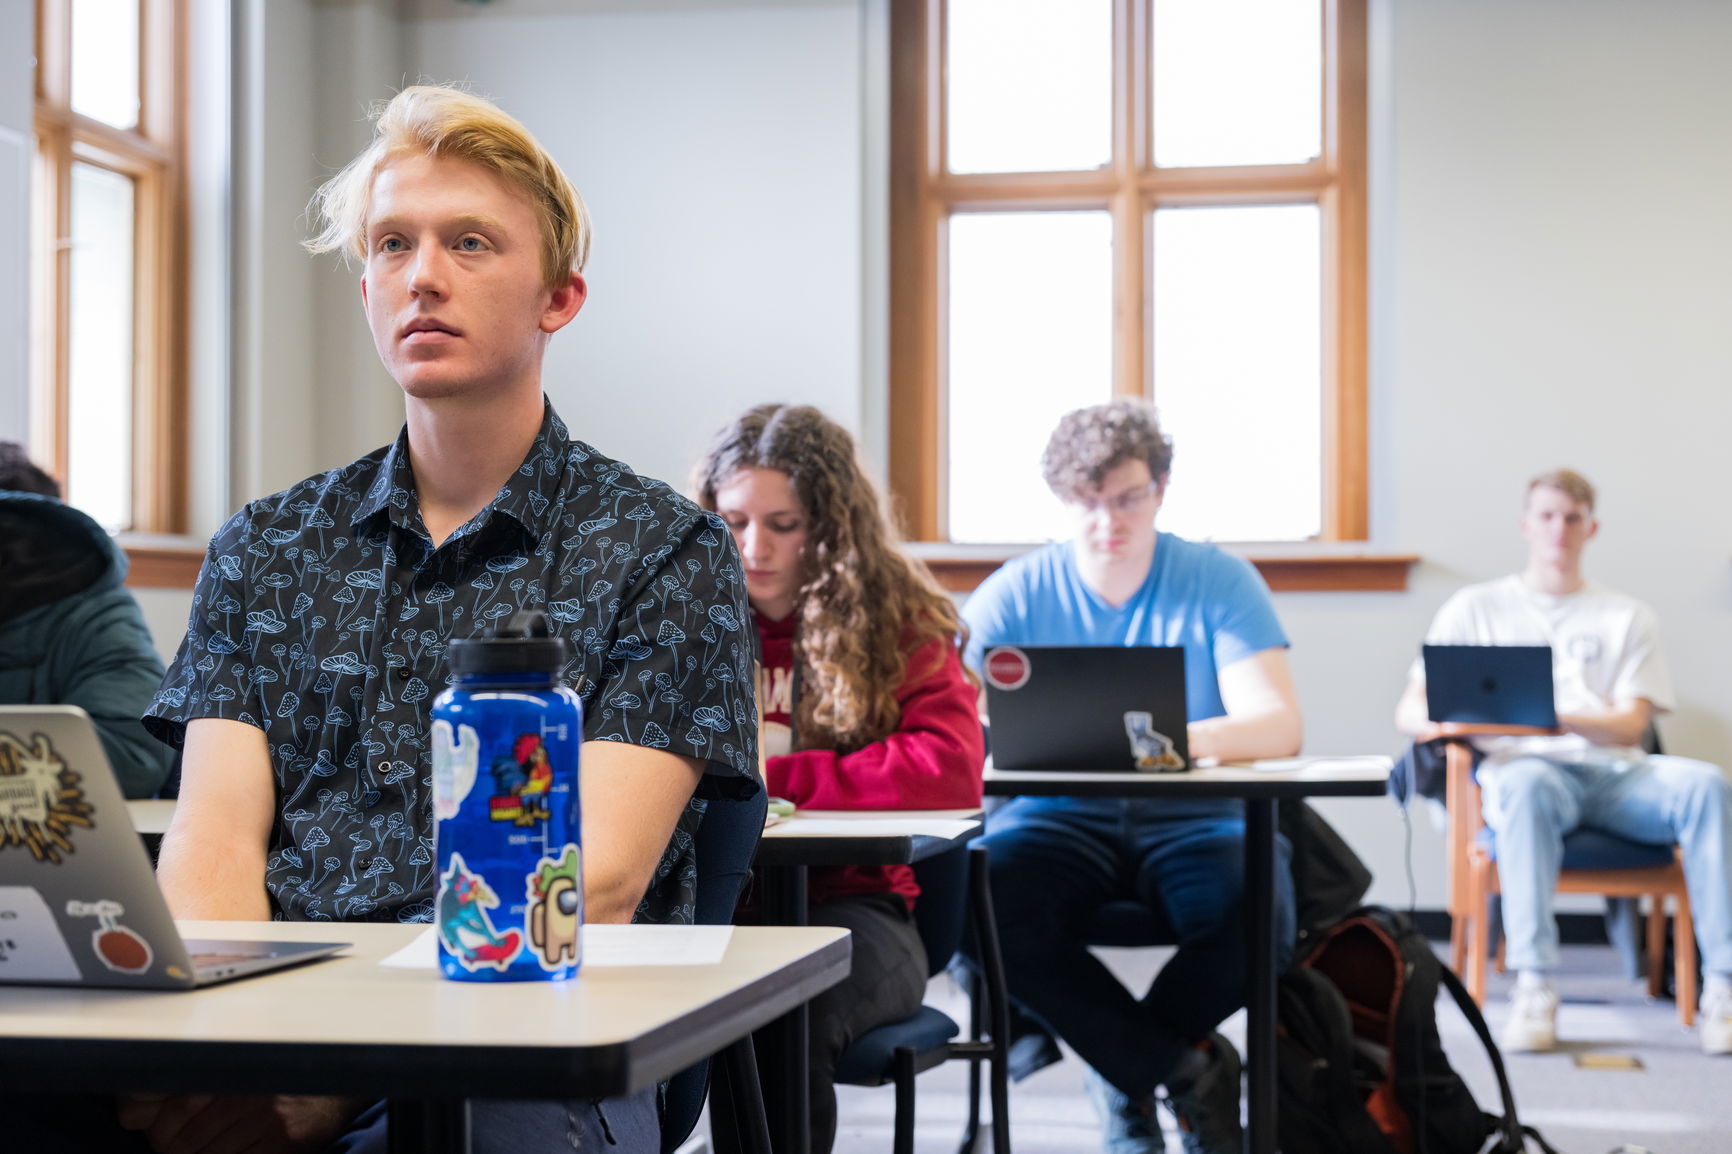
(863, 696)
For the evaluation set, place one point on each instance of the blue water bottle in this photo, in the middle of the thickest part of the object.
(507, 837)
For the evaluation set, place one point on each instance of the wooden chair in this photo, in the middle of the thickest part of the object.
(1594, 862)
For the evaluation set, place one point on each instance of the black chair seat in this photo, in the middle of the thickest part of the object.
(869, 1059)
(1594, 849)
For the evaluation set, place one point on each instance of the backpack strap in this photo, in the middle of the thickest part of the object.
(1509, 1125)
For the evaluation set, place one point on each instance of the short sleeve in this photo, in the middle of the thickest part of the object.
(1642, 671)
(1244, 621)
(678, 674)
(992, 612)
(210, 675)
(1453, 625)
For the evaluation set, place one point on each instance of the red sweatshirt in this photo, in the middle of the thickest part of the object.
(931, 761)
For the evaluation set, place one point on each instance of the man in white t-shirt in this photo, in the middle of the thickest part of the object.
(1610, 680)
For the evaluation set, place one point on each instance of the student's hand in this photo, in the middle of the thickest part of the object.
(237, 1124)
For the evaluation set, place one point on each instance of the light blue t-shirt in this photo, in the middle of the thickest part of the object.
(1209, 601)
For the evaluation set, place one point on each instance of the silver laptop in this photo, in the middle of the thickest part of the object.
(79, 903)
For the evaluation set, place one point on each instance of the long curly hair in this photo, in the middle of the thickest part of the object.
(863, 607)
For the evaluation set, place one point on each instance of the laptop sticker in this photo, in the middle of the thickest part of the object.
(1007, 668)
(32, 948)
(1150, 748)
(117, 947)
(40, 798)
(555, 893)
(464, 900)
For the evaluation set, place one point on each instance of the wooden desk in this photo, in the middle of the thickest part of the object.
(1260, 788)
(834, 838)
(351, 1026)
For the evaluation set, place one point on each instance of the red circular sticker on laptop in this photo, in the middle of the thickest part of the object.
(1007, 667)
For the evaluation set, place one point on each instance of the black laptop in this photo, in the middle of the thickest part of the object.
(1103, 708)
(1490, 684)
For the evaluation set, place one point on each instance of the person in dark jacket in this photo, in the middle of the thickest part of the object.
(70, 633)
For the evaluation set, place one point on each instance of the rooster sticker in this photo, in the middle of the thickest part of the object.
(521, 780)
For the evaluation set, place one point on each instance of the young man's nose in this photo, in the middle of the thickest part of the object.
(427, 273)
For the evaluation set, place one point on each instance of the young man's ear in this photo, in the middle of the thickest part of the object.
(563, 303)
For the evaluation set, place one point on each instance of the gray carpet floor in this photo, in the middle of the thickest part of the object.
(1677, 1102)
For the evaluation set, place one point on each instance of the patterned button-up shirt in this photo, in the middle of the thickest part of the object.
(322, 613)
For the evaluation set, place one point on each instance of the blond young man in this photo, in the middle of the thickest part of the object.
(1610, 681)
(319, 625)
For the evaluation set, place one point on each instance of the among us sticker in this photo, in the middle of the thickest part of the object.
(32, 948)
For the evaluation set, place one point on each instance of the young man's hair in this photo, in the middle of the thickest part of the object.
(1566, 481)
(1090, 443)
(864, 606)
(20, 475)
(439, 121)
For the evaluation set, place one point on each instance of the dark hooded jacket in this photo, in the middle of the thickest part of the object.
(70, 633)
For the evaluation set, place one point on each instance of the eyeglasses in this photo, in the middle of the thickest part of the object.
(1127, 502)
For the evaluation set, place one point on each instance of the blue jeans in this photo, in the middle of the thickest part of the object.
(1532, 802)
(1056, 861)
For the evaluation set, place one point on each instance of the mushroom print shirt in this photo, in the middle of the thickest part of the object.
(322, 613)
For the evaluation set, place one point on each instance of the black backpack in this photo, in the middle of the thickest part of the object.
(1361, 1067)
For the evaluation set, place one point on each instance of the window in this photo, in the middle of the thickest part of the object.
(108, 257)
(1160, 198)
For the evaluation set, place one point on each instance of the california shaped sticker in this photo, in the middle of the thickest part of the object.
(555, 913)
(1150, 748)
(464, 926)
(40, 798)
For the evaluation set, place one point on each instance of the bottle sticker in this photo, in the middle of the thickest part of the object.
(464, 926)
(118, 947)
(555, 893)
(521, 780)
(454, 764)
(32, 948)
(40, 798)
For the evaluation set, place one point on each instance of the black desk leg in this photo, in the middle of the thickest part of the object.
(1260, 889)
(789, 1052)
(435, 1126)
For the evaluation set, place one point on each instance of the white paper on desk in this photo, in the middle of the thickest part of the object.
(944, 827)
(607, 946)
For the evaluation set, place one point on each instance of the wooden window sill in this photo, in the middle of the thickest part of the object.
(960, 568)
(161, 562)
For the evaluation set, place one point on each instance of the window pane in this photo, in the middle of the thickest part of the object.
(1238, 370)
(1237, 82)
(1030, 339)
(1029, 85)
(105, 60)
(99, 465)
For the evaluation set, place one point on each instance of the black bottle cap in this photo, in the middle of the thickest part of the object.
(522, 643)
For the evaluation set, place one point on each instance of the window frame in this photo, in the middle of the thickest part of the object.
(923, 196)
(153, 153)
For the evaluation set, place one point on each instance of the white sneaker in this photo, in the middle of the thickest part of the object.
(1715, 1023)
(1533, 1019)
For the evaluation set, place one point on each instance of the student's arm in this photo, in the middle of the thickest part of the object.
(212, 864)
(1624, 723)
(632, 799)
(1262, 712)
(931, 761)
(1413, 712)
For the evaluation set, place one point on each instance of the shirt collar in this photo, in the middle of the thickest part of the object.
(393, 488)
